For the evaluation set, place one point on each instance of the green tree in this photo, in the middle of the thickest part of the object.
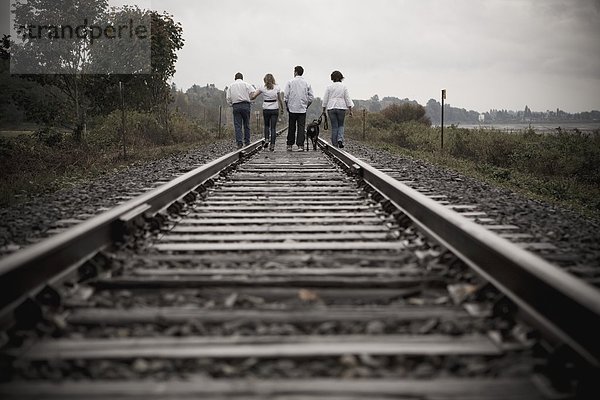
(46, 52)
(147, 70)
(374, 104)
(149, 92)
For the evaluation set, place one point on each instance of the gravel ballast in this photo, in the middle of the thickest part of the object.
(26, 223)
(577, 238)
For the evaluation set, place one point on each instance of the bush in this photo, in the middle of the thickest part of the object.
(184, 130)
(377, 121)
(566, 154)
(143, 129)
(461, 144)
(51, 137)
(6, 147)
(561, 166)
(406, 112)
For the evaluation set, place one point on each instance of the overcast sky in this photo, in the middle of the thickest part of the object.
(487, 54)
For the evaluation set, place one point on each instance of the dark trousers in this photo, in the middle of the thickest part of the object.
(300, 120)
(241, 119)
(270, 117)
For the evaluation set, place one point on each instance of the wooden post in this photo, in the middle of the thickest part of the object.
(123, 118)
(443, 98)
(364, 116)
(220, 119)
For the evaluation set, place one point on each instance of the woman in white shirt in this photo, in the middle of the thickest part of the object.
(336, 102)
(272, 106)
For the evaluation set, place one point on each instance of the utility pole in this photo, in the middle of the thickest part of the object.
(123, 118)
(443, 99)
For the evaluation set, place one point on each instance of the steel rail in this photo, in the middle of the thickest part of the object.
(25, 271)
(557, 302)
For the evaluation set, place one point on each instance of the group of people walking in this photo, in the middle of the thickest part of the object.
(296, 97)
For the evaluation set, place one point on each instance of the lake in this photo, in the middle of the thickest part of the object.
(540, 127)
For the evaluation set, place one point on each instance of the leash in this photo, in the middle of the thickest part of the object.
(326, 125)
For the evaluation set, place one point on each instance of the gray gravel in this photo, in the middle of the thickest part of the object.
(26, 223)
(344, 367)
(576, 237)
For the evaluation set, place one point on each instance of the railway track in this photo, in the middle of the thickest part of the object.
(303, 275)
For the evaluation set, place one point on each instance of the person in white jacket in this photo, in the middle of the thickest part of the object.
(337, 102)
(238, 97)
(298, 96)
(272, 108)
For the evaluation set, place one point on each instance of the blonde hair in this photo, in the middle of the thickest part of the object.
(269, 81)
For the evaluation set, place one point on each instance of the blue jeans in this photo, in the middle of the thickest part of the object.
(337, 116)
(241, 116)
(270, 117)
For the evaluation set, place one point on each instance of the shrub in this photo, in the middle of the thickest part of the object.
(106, 131)
(378, 121)
(140, 129)
(6, 147)
(51, 137)
(406, 112)
(461, 144)
(185, 130)
(498, 150)
(421, 137)
(144, 129)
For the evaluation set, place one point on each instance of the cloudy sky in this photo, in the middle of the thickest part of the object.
(487, 54)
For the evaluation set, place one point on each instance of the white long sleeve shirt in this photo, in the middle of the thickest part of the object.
(298, 95)
(270, 97)
(337, 97)
(239, 92)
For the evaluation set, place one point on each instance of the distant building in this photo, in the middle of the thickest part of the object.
(481, 118)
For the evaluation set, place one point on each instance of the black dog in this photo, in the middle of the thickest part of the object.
(312, 131)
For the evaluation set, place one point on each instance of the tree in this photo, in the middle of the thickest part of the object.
(144, 64)
(5, 48)
(434, 110)
(167, 39)
(374, 105)
(149, 91)
(49, 50)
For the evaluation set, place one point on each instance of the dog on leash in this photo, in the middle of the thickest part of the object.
(312, 131)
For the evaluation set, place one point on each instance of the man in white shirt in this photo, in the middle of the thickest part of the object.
(298, 96)
(238, 97)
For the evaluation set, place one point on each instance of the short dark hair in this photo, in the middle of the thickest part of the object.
(239, 76)
(337, 76)
(299, 70)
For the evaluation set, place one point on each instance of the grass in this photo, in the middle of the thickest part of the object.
(14, 134)
(25, 183)
(562, 168)
(32, 164)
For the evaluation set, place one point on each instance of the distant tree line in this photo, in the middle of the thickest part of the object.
(455, 115)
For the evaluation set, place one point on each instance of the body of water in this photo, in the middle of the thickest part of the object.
(540, 127)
